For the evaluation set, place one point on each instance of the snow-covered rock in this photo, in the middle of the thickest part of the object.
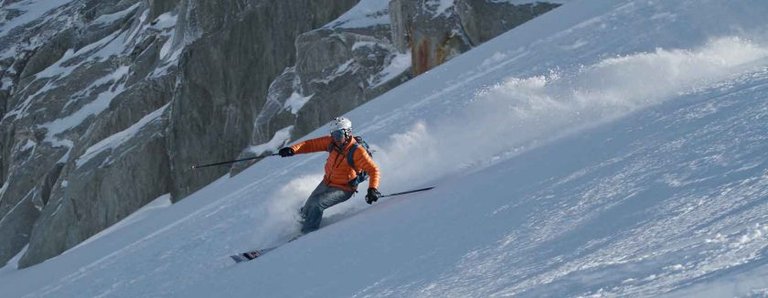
(77, 75)
(436, 31)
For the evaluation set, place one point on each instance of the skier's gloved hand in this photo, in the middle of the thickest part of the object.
(285, 152)
(372, 196)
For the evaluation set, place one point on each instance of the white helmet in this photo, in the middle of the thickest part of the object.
(339, 123)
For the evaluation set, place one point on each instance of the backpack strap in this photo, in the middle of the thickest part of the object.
(362, 175)
(351, 156)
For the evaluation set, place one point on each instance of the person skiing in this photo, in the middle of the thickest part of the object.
(340, 180)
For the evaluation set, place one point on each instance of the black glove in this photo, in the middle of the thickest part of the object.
(285, 152)
(372, 196)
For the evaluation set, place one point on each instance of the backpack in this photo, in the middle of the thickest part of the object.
(362, 175)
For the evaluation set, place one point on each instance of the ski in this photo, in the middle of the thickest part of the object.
(250, 255)
(253, 254)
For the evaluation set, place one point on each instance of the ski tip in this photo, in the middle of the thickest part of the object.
(247, 256)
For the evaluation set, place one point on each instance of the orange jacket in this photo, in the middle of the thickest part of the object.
(338, 173)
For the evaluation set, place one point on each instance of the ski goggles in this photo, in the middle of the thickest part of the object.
(339, 135)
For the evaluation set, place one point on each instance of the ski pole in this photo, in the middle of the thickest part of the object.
(407, 192)
(232, 161)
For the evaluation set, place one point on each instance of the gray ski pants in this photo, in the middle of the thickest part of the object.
(321, 198)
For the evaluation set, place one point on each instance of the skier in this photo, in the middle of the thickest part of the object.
(340, 180)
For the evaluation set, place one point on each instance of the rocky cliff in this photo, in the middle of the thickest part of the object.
(106, 104)
(110, 102)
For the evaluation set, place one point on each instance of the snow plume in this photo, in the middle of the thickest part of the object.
(519, 113)
(283, 208)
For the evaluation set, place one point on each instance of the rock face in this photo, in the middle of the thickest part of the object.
(105, 105)
(483, 20)
(338, 67)
(225, 77)
(80, 93)
(435, 33)
(339, 70)
(432, 32)
(93, 198)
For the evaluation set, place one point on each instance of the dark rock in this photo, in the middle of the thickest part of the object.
(3, 101)
(433, 36)
(100, 184)
(337, 68)
(483, 19)
(225, 77)
(49, 53)
(158, 7)
(32, 168)
(95, 196)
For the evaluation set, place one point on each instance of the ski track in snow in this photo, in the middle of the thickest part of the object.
(676, 215)
(715, 190)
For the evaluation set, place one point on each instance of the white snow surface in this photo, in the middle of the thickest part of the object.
(398, 64)
(607, 148)
(295, 102)
(366, 13)
(280, 138)
(111, 18)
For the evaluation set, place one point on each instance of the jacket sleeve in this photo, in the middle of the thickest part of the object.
(366, 163)
(312, 145)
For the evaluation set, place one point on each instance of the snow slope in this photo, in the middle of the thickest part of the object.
(607, 148)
